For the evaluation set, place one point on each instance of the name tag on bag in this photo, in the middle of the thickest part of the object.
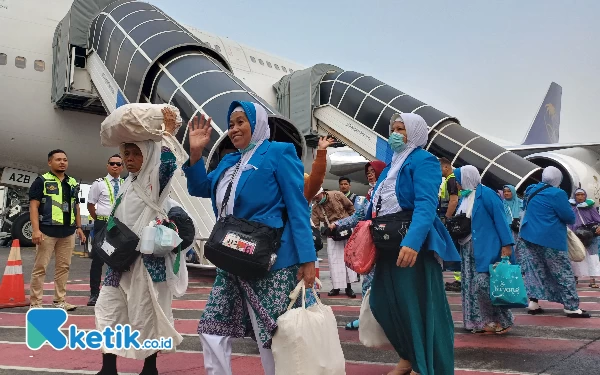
(234, 241)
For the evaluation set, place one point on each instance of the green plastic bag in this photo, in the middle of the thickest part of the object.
(507, 288)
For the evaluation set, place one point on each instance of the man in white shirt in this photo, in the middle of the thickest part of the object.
(101, 199)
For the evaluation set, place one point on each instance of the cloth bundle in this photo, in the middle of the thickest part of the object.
(135, 122)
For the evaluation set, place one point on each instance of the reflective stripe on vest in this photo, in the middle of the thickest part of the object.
(444, 192)
(52, 213)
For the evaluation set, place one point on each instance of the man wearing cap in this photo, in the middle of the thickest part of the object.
(101, 198)
(329, 207)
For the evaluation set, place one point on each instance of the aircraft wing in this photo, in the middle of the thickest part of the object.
(525, 150)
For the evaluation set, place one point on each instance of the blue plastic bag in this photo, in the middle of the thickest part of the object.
(507, 288)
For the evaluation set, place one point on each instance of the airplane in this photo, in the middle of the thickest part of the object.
(66, 64)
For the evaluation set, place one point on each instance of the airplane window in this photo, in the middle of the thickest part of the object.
(3, 58)
(269, 64)
(217, 48)
(291, 70)
(261, 62)
(20, 62)
(284, 68)
(253, 59)
(276, 66)
(39, 65)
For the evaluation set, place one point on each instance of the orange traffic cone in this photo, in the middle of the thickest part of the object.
(12, 289)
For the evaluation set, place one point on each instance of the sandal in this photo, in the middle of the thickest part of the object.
(401, 371)
(502, 331)
(537, 311)
(584, 314)
(352, 326)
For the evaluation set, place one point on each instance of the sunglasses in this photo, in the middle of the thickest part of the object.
(113, 163)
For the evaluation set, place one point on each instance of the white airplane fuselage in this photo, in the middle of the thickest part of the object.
(32, 125)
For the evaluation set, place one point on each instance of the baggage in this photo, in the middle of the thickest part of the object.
(135, 122)
(307, 339)
(507, 288)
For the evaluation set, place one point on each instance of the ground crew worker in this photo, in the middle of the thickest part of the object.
(55, 219)
(447, 208)
(101, 199)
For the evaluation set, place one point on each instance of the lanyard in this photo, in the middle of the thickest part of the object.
(110, 192)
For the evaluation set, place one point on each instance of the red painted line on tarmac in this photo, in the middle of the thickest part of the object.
(183, 363)
(505, 342)
(545, 321)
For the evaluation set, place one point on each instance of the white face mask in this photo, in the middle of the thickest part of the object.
(372, 184)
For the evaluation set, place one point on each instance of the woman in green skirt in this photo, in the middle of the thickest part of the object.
(407, 295)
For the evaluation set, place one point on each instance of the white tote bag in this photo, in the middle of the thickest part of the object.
(307, 340)
(370, 332)
(135, 122)
(576, 249)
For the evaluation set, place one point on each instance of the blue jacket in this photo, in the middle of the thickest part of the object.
(489, 228)
(417, 188)
(275, 185)
(546, 217)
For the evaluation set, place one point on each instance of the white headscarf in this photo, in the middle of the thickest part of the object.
(132, 211)
(469, 180)
(552, 176)
(261, 133)
(416, 136)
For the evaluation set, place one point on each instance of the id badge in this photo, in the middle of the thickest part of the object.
(65, 207)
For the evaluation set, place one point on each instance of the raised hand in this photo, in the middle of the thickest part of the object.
(170, 120)
(199, 136)
(325, 142)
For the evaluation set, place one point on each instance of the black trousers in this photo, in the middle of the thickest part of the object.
(97, 262)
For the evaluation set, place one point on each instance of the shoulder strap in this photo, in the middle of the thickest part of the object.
(142, 194)
(529, 198)
(580, 217)
(229, 187)
(325, 215)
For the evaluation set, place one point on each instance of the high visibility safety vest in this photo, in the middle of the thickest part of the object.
(444, 197)
(52, 211)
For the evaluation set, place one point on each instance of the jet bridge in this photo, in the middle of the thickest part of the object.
(136, 53)
(356, 109)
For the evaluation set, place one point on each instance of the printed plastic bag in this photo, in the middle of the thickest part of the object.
(165, 240)
(507, 288)
(307, 340)
(135, 122)
(360, 252)
(370, 332)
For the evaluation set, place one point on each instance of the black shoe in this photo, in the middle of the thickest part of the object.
(93, 299)
(334, 292)
(350, 293)
(537, 311)
(583, 314)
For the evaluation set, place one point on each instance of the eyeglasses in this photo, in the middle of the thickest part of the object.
(113, 163)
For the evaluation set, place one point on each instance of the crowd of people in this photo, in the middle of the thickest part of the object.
(263, 181)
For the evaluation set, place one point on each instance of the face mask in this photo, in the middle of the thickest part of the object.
(465, 193)
(372, 184)
(396, 142)
(322, 200)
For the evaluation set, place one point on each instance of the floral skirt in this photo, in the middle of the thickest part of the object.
(226, 313)
(478, 311)
(547, 274)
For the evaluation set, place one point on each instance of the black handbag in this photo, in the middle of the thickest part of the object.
(339, 233)
(388, 231)
(244, 248)
(459, 226)
(116, 244)
(317, 239)
(515, 225)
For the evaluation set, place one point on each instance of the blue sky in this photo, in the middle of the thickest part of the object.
(489, 63)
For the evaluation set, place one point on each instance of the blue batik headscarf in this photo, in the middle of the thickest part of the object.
(514, 204)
